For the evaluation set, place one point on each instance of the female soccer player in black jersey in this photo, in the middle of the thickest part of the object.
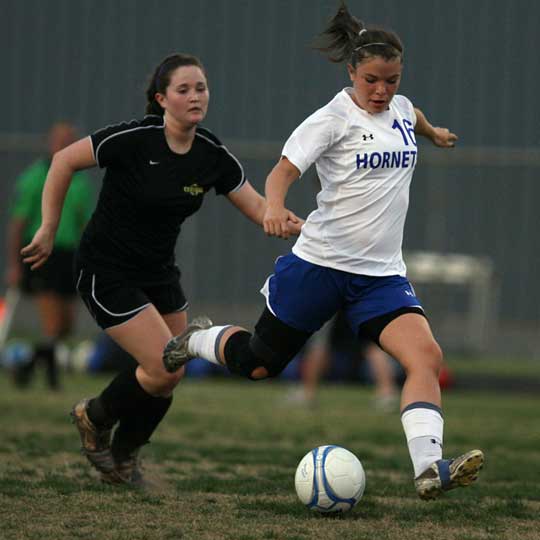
(157, 173)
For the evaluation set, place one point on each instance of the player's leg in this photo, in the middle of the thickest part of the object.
(315, 363)
(56, 323)
(137, 399)
(265, 353)
(391, 315)
(316, 360)
(54, 288)
(134, 431)
(128, 317)
(137, 425)
(408, 338)
(300, 298)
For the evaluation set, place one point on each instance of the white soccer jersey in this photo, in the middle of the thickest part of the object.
(365, 163)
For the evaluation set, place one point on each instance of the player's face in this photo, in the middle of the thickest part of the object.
(186, 97)
(375, 81)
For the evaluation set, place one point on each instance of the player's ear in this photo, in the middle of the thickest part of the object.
(352, 71)
(160, 98)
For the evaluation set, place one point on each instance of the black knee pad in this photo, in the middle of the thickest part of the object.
(273, 345)
(238, 356)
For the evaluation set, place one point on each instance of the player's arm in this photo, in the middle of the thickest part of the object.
(277, 217)
(253, 206)
(65, 163)
(439, 136)
(249, 202)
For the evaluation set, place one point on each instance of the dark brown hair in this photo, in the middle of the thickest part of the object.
(346, 38)
(161, 78)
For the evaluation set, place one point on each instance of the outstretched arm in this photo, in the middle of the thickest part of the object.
(249, 202)
(74, 157)
(442, 137)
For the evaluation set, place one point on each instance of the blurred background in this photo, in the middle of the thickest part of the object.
(471, 238)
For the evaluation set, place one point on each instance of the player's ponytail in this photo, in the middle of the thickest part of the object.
(347, 39)
(152, 106)
(161, 78)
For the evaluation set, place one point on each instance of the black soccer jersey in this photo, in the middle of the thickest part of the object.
(148, 191)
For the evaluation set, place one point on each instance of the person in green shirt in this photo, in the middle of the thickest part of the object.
(53, 286)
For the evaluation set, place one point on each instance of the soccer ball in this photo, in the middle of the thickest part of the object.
(330, 479)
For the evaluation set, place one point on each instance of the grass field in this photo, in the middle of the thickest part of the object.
(223, 463)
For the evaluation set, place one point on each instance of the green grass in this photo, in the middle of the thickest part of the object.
(501, 366)
(223, 464)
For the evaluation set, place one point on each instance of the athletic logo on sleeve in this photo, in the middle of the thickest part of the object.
(369, 136)
(153, 162)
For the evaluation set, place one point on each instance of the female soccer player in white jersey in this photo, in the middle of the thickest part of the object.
(348, 255)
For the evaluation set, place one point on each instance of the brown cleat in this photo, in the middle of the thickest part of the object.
(96, 443)
(129, 470)
(96, 446)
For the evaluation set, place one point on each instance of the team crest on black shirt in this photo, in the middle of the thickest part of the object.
(194, 190)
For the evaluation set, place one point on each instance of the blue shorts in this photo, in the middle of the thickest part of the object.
(305, 295)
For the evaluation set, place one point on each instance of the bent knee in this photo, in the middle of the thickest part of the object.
(436, 356)
(426, 356)
(431, 356)
(162, 381)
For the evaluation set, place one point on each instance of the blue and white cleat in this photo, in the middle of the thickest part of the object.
(447, 474)
(176, 352)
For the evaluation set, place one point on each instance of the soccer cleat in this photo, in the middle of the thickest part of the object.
(96, 443)
(176, 352)
(129, 471)
(447, 474)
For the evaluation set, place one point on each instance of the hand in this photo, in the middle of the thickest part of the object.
(280, 222)
(444, 138)
(295, 225)
(38, 250)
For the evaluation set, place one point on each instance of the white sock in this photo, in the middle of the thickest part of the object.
(205, 343)
(424, 432)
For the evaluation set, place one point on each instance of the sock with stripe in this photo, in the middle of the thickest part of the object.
(205, 343)
(423, 425)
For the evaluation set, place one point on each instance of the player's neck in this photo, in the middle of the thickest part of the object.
(179, 136)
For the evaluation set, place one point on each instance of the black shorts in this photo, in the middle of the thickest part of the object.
(55, 276)
(112, 301)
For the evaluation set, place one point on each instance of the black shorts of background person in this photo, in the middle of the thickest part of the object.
(52, 287)
(274, 344)
(56, 276)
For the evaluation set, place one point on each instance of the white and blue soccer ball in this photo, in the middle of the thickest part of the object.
(330, 479)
